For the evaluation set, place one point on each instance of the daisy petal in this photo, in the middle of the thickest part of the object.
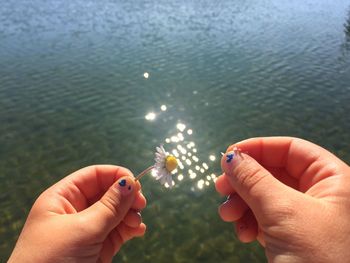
(162, 149)
(163, 180)
(169, 180)
(161, 171)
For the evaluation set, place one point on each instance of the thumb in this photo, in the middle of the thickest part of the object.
(110, 210)
(254, 184)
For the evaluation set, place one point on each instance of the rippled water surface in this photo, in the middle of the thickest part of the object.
(73, 92)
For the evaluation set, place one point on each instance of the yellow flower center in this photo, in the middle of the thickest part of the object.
(170, 163)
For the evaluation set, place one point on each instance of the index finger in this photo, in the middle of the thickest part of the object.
(293, 154)
(96, 179)
(87, 185)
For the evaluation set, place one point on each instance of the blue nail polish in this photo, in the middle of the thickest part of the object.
(122, 182)
(229, 157)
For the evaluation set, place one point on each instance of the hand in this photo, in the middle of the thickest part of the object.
(291, 195)
(85, 217)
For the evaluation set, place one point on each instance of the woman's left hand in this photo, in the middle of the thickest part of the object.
(85, 217)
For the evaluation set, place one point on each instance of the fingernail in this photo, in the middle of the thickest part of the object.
(125, 185)
(227, 199)
(229, 157)
(241, 227)
(230, 160)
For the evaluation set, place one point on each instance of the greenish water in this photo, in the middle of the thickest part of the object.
(73, 93)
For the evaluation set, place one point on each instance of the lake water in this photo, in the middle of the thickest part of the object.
(73, 92)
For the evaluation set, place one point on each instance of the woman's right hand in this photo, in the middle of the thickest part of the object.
(291, 195)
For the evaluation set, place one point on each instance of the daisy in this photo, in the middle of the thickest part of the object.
(165, 164)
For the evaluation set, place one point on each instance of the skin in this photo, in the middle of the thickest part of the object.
(289, 194)
(292, 196)
(85, 217)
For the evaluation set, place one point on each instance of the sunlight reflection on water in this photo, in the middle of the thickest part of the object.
(79, 85)
(181, 144)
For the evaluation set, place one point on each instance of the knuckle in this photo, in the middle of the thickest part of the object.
(281, 215)
(285, 211)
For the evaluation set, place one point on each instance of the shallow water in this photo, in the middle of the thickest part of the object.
(73, 93)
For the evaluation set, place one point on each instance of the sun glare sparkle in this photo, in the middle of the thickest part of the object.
(193, 175)
(205, 166)
(195, 158)
(181, 127)
(154, 173)
(175, 153)
(150, 116)
(174, 139)
(200, 184)
(180, 136)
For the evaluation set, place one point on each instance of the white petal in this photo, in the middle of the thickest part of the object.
(169, 180)
(163, 180)
(159, 150)
(163, 150)
(159, 166)
(159, 177)
(159, 159)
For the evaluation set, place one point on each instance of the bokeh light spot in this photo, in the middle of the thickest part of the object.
(150, 116)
